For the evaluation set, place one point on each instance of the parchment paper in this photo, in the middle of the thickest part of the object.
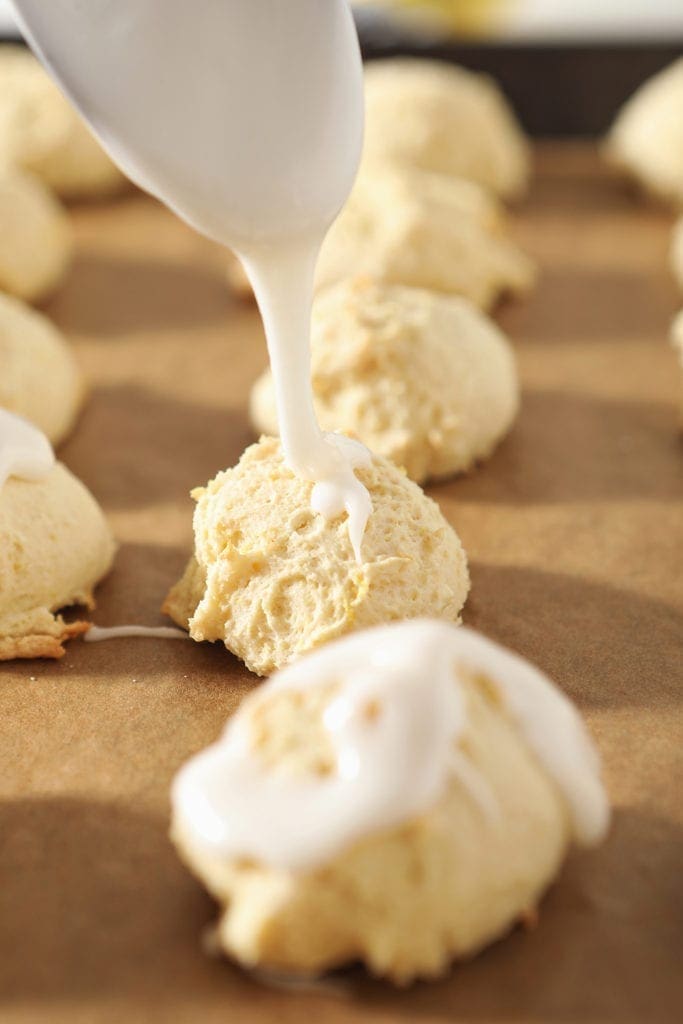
(575, 535)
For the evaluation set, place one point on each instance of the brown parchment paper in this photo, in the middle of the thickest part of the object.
(575, 535)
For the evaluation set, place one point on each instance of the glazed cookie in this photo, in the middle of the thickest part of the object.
(55, 545)
(646, 139)
(272, 579)
(401, 797)
(42, 133)
(677, 253)
(444, 118)
(35, 237)
(40, 377)
(448, 217)
(423, 379)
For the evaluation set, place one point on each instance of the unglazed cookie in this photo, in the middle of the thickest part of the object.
(42, 133)
(677, 253)
(271, 579)
(35, 237)
(444, 118)
(423, 379)
(402, 797)
(40, 378)
(55, 546)
(646, 139)
(426, 231)
(414, 227)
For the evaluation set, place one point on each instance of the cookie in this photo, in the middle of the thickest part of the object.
(425, 231)
(425, 380)
(35, 238)
(646, 139)
(271, 579)
(40, 378)
(55, 546)
(401, 797)
(444, 118)
(41, 132)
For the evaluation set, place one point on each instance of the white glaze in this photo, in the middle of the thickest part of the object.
(282, 280)
(25, 452)
(247, 121)
(390, 767)
(98, 633)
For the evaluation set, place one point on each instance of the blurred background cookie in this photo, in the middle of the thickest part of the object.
(423, 230)
(646, 139)
(423, 379)
(40, 378)
(36, 238)
(444, 118)
(42, 133)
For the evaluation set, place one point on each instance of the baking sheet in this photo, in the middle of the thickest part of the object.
(575, 535)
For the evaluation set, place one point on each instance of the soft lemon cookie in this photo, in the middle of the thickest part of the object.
(40, 378)
(42, 133)
(405, 226)
(646, 139)
(444, 118)
(426, 380)
(35, 237)
(55, 545)
(271, 579)
(419, 229)
(401, 797)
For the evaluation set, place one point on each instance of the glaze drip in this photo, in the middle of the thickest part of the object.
(25, 452)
